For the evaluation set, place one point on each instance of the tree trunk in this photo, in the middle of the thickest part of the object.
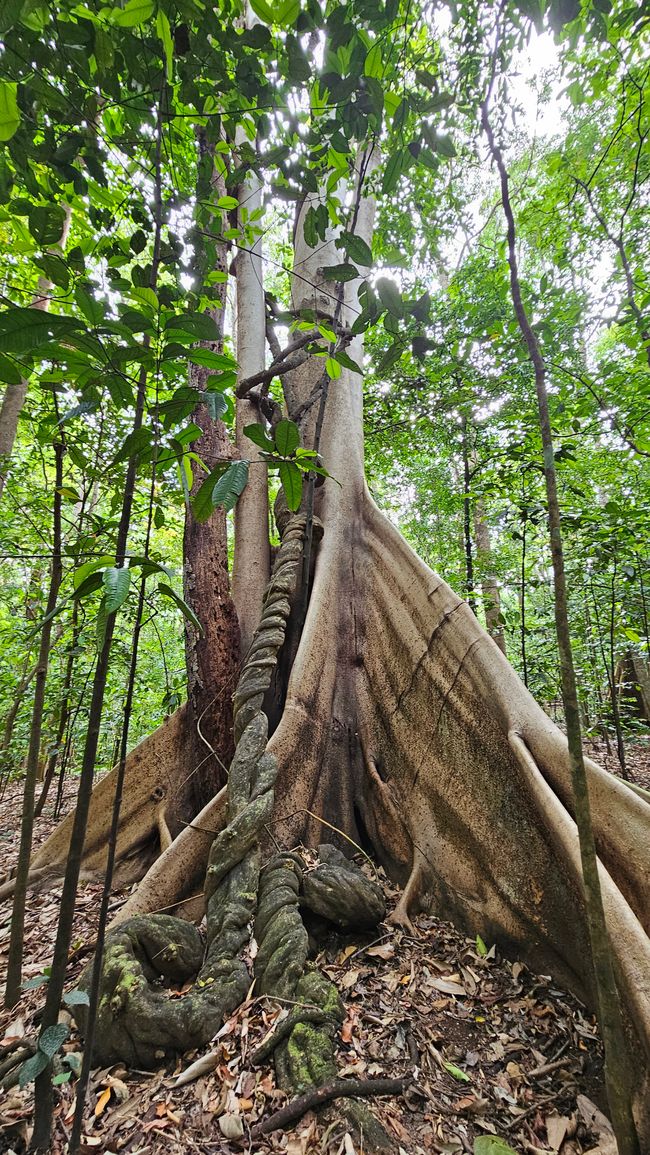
(14, 398)
(489, 583)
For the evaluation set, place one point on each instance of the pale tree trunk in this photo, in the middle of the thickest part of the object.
(14, 398)
(489, 583)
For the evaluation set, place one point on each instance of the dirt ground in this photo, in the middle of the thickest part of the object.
(490, 1047)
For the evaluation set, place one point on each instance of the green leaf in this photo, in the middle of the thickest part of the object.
(357, 249)
(202, 503)
(53, 1039)
(145, 296)
(165, 37)
(287, 12)
(55, 269)
(492, 1145)
(134, 13)
(9, 372)
(262, 10)
(481, 948)
(291, 479)
(348, 362)
(231, 485)
(62, 1077)
(89, 567)
(76, 998)
(24, 330)
(216, 404)
(200, 356)
(92, 310)
(390, 296)
(399, 160)
(373, 64)
(31, 1068)
(332, 368)
(187, 611)
(9, 114)
(342, 272)
(456, 1073)
(391, 356)
(46, 224)
(287, 438)
(199, 325)
(116, 582)
(257, 435)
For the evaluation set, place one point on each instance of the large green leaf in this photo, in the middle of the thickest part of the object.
(134, 13)
(31, 1068)
(231, 485)
(199, 325)
(9, 113)
(256, 434)
(53, 1039)
(287, 438)
(211, 360)
(164, 32)
(342, 272)
(202, 503)
(358, 250)
(25, 330)
(291, 479)
(89, 567)
(116, 582)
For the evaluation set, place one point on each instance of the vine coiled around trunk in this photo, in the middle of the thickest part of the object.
(137, 1022)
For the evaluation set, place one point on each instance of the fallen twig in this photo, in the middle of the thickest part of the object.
(318, 1096)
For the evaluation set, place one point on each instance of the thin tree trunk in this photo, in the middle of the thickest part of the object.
(616, 710)
(467, 519)
(489, 583)
(43, 1103)
(611, 1023)
(64, 714)
(25, 681)
(15, 958)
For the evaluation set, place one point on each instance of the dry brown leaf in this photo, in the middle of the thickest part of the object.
(448, 987)
(556, 1130)
(385, 950)
(231, 1126)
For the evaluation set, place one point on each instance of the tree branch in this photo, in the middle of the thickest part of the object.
(318, 1096)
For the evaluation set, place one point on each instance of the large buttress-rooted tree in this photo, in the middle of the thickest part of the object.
(403, 725)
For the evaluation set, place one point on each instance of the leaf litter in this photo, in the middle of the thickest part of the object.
(498, 1054)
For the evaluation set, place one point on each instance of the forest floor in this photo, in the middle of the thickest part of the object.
(492, 1048)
